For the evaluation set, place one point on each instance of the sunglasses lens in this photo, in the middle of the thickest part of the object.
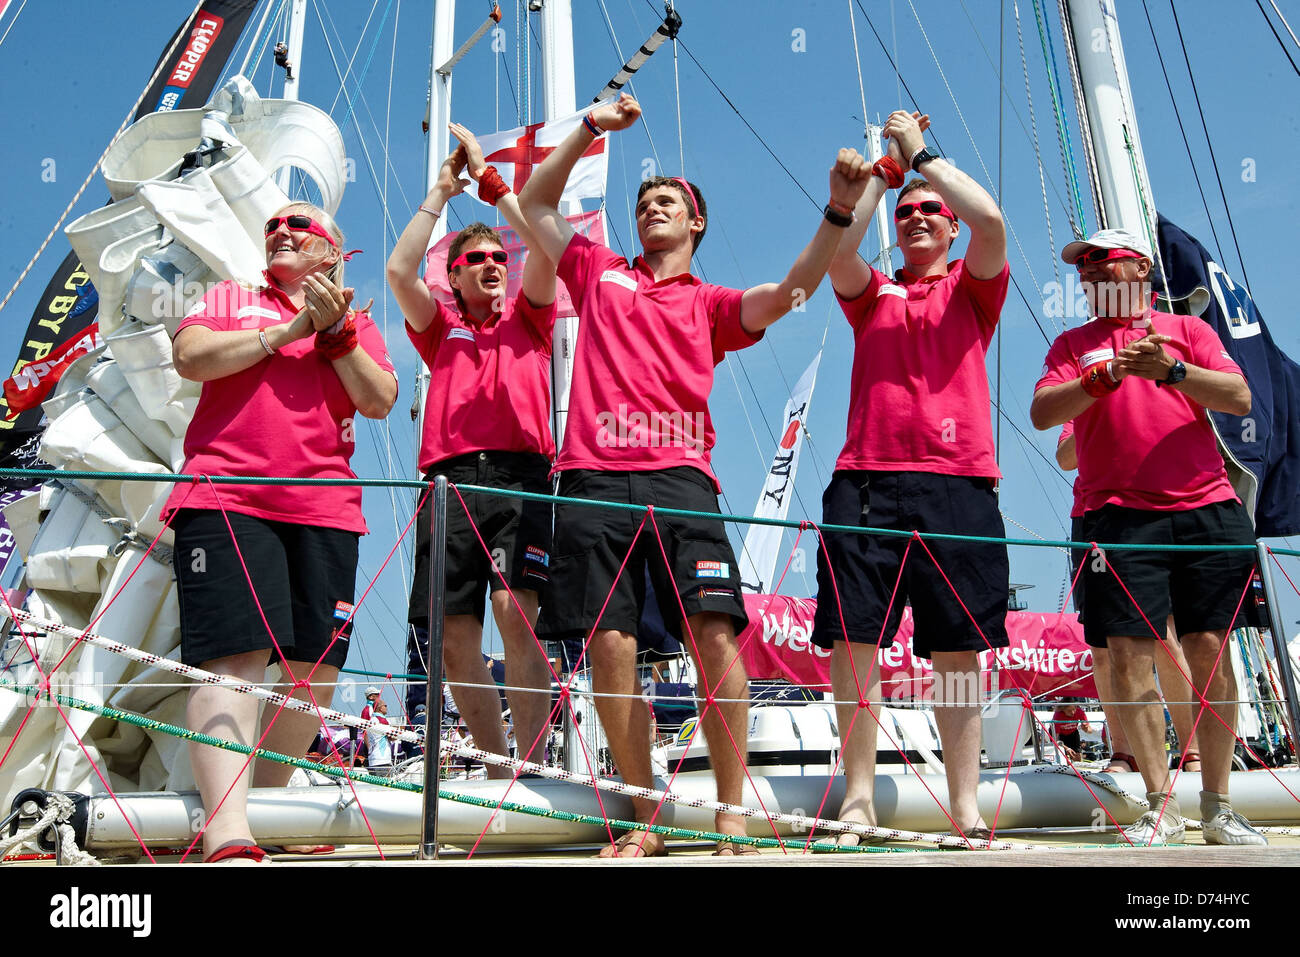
(930, 207)
(905, 210)
(272, 225)
(475, 257)
(299, 222)
(500, 256)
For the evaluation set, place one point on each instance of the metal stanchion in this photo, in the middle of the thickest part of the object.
(433, 693)
(1279, 640)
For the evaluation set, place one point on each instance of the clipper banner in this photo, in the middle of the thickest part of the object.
(69, 303)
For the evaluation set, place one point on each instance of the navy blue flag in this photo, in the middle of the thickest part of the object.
(1266, 442)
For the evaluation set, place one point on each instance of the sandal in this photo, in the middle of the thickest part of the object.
(232, 852)
(644, 844)
(977, 833)
(1123, 758)
(847, 839)
(731, 849)
(1188, 758)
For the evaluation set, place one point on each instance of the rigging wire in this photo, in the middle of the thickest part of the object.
(1232, 229)
(1273, 3)
(1064, 145)
(13, 21)
(162, 62)
(1196, 177)
(252, 42)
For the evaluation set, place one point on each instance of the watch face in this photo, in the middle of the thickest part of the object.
(1177, 373)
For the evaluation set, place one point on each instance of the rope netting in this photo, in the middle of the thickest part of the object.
(726, 749)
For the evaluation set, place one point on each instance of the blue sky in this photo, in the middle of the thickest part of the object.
(788, 72)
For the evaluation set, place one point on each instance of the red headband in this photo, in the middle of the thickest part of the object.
(690, 193)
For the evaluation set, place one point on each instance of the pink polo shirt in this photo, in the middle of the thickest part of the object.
(919, 397)
(287, 415)
(644, 362)
(1076, 510)
(1144, 446)
(489, 384)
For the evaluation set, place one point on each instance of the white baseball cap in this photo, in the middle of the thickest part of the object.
(371, 690)
(1106, 239)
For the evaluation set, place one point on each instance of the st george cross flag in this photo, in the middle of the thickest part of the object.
(516, 153)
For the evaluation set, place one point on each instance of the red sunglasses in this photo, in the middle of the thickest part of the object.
(928, 207)
(477, 257)
(299, 223)
(1099, 255)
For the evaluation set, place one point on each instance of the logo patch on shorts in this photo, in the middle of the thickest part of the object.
(534, 554)
(712, 570)
(342, 610)
(717, 593)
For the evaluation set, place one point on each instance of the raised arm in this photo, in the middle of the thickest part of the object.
(850, 273)
(539, 200)
(763, 305)
(403, 270)
(986, 253)
(539, 268)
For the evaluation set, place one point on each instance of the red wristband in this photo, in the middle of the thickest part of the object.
(1097, 380)
(592, 126)
(337, 345)
(491, 187)
(888, 170)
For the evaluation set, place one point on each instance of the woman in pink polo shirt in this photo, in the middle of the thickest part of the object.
(266, 572)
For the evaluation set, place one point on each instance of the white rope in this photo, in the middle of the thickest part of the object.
(162, 62)
(857, 61)
(1272, 3)
(487, 757)
(58, 810)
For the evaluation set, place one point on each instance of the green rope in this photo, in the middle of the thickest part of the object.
(152, 724)
(382, 674)
(624, 506)
(1062, 125)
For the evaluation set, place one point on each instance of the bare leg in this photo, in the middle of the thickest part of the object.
(1171, 666)
(715, 651)
(1202, 648)
(526, 667)
(1141, 712)
(850, 664)
(957, 713)
(1106, 692)
(292, 731)
(627, 725)
(222, 713)
(462, 656)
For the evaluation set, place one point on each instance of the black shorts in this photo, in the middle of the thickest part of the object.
(591, 544)
(867, 566)
(304, 578)
(1080, 532)
(1201, 589)
(517, 532)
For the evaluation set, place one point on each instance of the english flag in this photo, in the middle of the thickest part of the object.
(516, 153)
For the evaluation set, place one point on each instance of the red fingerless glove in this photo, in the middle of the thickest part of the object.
(337, 345)
(491, 187)
(888, 170)
(1097, 380)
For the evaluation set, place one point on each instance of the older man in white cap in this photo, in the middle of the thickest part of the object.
(1137, 384)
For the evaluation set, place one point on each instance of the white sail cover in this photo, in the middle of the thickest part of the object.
(152, 254)
(763, 542)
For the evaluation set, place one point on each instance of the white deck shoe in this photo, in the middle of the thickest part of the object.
(1222, 825)
(1163, 824)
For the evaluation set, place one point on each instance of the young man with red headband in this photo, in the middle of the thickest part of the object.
(1137, 384)
(487, 422)
(918, 457)
(638, 431)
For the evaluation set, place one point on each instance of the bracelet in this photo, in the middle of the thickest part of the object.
(837, 218)
(432, 212)
(337, 345)
(840, 208)
(261, 337)
(491, 187)
(592, 126)
(888, 170)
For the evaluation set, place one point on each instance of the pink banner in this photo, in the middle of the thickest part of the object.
(1047, 655)
(590, 225)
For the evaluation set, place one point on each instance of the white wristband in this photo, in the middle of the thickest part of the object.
(261, 336)
(432, 212)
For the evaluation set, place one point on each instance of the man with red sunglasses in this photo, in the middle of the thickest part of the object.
(918, 456)
(1137, 384)
(639, 432)
(487, 422)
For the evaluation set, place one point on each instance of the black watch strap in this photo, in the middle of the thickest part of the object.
(923, 155)
(836, 218)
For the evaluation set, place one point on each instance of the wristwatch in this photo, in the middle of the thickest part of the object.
(1176, 374)
(923, 155)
